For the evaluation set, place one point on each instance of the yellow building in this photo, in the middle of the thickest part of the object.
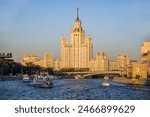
(145, 55)
(141, 69)
(120, 63)
(57, 65)
(145, 52)
(114, 65)
(65, 53)
(145, 48)
(31, 58)
(79, 52)
(100, 63)
(46, 62)
(124, 61)
(92, 65)
(137, 70)
(145, 58)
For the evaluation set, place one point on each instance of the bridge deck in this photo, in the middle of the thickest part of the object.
(86, 74)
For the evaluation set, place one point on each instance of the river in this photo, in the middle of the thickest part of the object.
(71, 89)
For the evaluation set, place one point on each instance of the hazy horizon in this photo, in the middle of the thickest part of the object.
(36, 26)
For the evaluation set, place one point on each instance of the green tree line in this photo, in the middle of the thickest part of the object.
(8, 67)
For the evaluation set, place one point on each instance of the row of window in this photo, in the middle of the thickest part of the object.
(76, 34)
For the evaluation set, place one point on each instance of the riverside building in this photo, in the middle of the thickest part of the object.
(145, 55)
(46, 62)
(141, 69)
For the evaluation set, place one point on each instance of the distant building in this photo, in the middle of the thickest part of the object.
(46, 62)
(100, 63)
(114, 65)
(120, 63)
(124, 61)
(145, 48)
(141, 69)
(145, 58)
(137, 70)
(57, 65)
(79, 52)
(145, 55)
(133, 61)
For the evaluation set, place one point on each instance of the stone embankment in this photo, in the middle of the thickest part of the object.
(132, 81)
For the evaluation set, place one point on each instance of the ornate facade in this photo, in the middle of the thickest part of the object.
(46, 62)
(79, 52)
(100, 63)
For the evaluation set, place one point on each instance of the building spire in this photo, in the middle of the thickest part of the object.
(77, 23)
(77, 13)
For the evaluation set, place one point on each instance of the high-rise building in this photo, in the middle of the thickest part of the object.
(79, 52)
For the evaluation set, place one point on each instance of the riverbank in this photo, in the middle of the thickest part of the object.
(132, 81)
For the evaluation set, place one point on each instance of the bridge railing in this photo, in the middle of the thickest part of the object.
(96, 73)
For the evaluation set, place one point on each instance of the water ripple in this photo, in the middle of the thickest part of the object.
(87, 89)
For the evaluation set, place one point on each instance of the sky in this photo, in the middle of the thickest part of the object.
(36, 26)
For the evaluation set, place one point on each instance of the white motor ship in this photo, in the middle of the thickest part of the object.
(43, 82)
(26, 78)
(106, 83)
(79, 77)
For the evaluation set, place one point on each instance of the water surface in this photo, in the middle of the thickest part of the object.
(87, 89)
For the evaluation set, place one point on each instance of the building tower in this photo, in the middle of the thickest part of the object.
(79, 52)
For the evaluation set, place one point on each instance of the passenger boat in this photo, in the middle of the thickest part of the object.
(26, 78)
(42, 81)
(79, 77)
(106, 83)
(52, 77)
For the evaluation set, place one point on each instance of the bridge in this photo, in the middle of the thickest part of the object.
(90, 74)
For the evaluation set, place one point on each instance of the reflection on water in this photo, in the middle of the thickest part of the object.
(89, 89)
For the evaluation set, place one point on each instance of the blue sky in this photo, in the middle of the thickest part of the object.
(35, 26)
